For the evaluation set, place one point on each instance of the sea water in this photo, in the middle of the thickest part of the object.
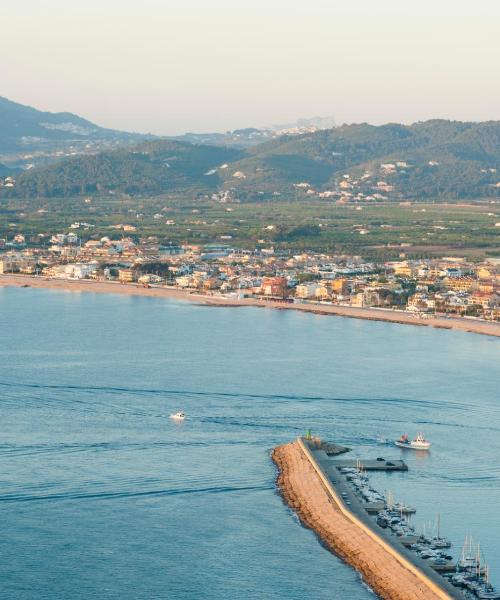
(103, 496)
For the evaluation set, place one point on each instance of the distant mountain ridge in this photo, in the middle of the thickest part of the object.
(26, 130)
(239, 138)
(437, 159)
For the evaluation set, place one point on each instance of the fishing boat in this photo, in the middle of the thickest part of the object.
(178, 416)
(417, 443)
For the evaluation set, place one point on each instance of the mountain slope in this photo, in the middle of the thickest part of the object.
(150, 168)
(430, 160)
(440, 158)
(24, 129)
(315, 157)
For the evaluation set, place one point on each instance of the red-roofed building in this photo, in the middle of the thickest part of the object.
(275, 287)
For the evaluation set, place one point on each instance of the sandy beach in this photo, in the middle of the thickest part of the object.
(370, 314)
(304, 492)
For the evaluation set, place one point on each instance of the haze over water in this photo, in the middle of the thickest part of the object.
(101, 495)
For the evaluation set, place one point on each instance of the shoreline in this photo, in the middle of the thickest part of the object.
(381, 567)
(368, 314)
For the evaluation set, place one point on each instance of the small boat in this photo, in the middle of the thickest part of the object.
(438, 541)
(404, 509)
(417, 443)
(458, 580)
(178, 416)
(487, 593)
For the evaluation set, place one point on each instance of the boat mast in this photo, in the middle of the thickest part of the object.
(478, 560)
(463, 547)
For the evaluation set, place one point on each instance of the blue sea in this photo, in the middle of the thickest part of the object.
(103, 496)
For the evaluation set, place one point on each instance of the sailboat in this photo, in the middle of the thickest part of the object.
(438, 541)
(468, 558)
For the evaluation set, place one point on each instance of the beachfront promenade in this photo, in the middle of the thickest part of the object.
(385, 566)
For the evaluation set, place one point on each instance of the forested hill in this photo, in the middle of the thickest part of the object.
(150, 168)
(431, 159)
(436, 159)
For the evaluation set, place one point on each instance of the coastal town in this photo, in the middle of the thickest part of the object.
(425, 287)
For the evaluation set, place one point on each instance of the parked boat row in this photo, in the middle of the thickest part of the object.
(360, 482)
(473, 572)
(359, 479)
(470, 572)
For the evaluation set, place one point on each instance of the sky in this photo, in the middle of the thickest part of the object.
(171, 66)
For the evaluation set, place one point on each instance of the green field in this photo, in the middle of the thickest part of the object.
(418, 229)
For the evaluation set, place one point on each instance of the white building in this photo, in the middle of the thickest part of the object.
(306, 290)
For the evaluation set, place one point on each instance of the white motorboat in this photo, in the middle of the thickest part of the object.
(178, 416)
(404, 509)
(417, 443)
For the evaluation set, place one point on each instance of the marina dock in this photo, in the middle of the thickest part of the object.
(312, 484)
(380, 464)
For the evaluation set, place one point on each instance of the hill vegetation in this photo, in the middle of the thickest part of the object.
(437, 159)
(443, 160)
(151, 168)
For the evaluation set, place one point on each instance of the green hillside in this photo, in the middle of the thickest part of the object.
(438, 159)
(151, 168)
(463, 156)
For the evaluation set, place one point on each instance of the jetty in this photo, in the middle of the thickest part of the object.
(312, 485)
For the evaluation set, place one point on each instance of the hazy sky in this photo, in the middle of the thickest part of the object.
(169, 66)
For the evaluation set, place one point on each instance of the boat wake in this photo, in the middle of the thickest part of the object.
(122, 494)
